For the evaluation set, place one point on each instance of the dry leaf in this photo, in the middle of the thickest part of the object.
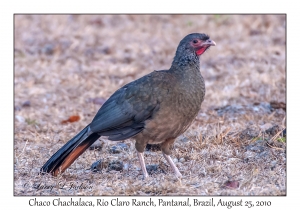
(71, 119)
(278, 105)
(231, 184)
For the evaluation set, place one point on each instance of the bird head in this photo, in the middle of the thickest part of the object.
(197, 43)
(191, 47)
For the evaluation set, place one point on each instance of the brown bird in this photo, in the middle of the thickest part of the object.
(154, 109)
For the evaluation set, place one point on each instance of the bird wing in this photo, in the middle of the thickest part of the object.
(124, 114)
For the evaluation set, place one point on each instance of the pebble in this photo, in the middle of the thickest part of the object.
(97, 166)
(97, 145)
(266, 126)
(118, 148)
(48, 49)
(284, 132)
(115, 165)
(257, 146)
(152, 147)
(17, 108)
(273, 164)
(126, 166)
(184, 139)
(263, 154)
(26, 104)
(257, 149)
(181, 160)
(179, 164)
(20, 118)
(152, 168)
(273, 130)
(101, 164)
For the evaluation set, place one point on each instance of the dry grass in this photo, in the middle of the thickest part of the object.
(63, 61)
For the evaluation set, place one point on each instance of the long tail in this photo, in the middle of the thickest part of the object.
(66, 155)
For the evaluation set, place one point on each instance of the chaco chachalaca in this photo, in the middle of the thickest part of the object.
(154, 109)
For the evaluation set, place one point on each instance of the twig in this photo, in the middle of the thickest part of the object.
(226, 132)
(23, 149)
(254, 139)
(274, 147)
(276, 135)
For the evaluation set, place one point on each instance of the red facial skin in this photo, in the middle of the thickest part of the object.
(201, 50)
(200, 45)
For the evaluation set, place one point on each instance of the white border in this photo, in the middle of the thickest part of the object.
(212, 6)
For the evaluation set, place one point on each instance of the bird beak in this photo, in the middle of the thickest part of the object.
(208, 42)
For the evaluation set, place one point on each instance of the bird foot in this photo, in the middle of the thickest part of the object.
(145, 177)
(178, 175)
(173, 166)
(143, 166)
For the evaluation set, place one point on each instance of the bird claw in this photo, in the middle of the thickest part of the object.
(145, 177)
(178, 175)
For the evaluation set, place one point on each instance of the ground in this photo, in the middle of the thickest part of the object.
(68, 65)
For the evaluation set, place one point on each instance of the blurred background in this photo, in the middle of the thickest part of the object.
(76, 52)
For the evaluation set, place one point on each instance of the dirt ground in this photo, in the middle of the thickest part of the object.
(68, 65)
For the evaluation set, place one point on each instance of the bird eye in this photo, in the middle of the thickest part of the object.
(195, 41)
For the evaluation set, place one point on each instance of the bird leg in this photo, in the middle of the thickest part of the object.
(142, 162)
(173, 166)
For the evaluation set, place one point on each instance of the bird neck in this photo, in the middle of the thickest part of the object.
(186, 60)
(186, 63)
(189, 79)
